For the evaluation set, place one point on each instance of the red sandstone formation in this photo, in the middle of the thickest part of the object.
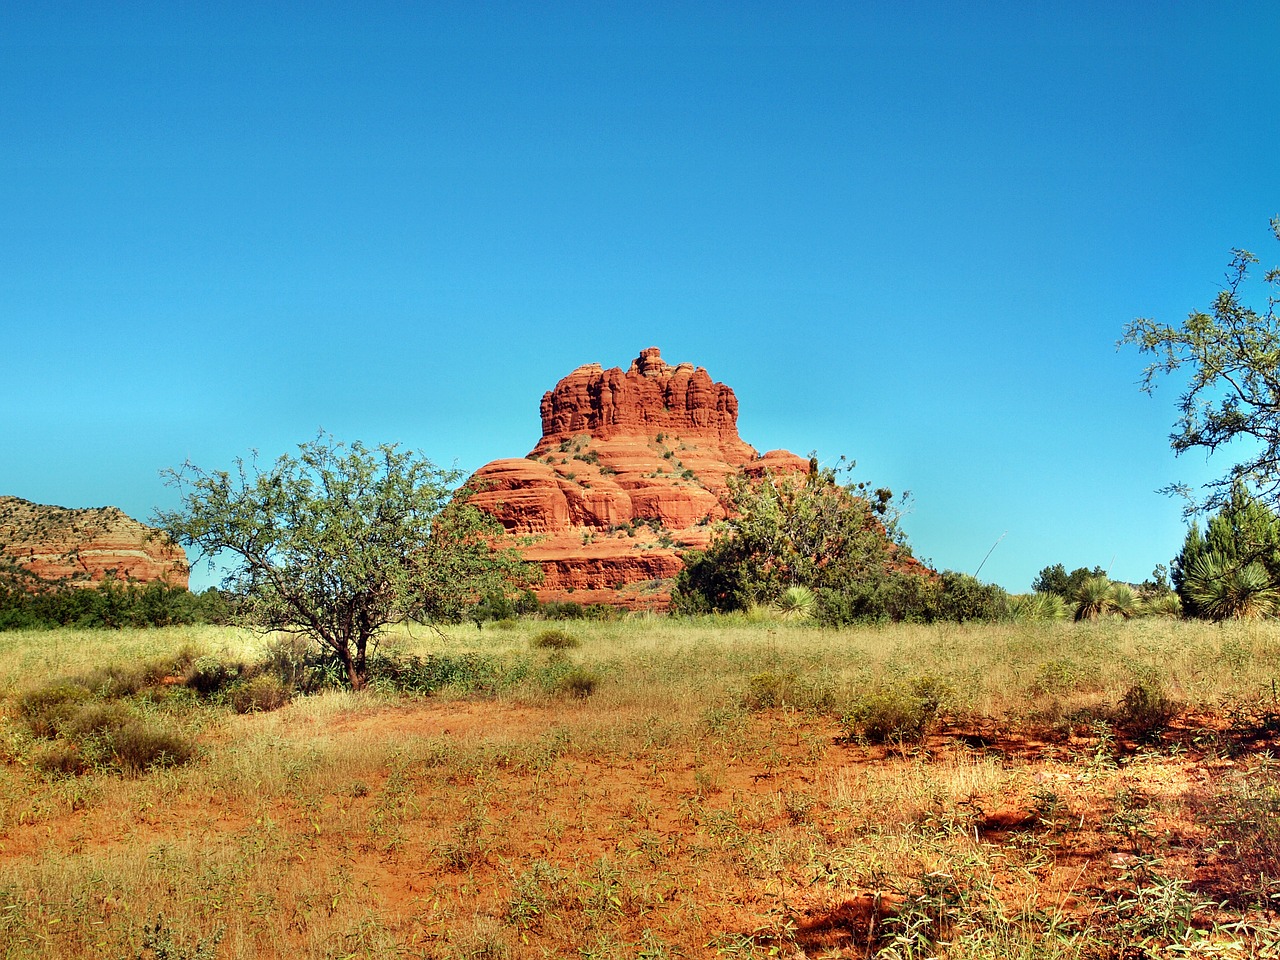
(83, 547)
(631, 470)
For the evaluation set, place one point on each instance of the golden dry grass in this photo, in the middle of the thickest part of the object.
(704, 800)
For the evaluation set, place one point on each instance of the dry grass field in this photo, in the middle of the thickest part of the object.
(661, 789)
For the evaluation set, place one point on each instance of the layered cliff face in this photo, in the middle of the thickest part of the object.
(83, 547)
(631, 471)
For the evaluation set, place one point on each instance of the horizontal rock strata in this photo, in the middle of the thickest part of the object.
(84, 547)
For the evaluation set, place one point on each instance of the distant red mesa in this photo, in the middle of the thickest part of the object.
(83, 547)
(630, 472)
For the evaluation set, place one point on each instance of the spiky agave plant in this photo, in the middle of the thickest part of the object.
(796, 603)
(1224, 591)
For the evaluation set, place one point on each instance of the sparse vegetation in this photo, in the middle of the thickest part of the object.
(1016, 789)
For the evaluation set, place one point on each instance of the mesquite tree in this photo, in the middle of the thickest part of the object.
(1231, 358)
(341, 541)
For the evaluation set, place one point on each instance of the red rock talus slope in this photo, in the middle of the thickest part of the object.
(630, 471)
(83, 546)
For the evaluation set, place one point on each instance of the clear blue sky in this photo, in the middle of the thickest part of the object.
(910, 233)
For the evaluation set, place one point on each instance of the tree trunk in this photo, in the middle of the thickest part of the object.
(358, 669)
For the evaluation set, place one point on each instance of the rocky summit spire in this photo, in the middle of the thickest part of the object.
(650, 397)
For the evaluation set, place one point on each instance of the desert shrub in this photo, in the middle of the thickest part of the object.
(1098, 596)
(1245, 814)
(1037, 607)
(111, 605)
(209, 674)
(526, 603)
(60, 759)
(535, 894)
(577, 682)
(769, 690)
(46, 709)
(97, 719)
(899, 713)
(1056, 580)
(555, 640)
(1162, 605)
(494, 605)
(562, 610)
(560, 676)
(895, 596)
(260, 694)
(124, 679)
(141, 746)
(796, 603)
(962, 598)
(1064, 675)
(101, 729)
(1145, 709)
(423, 676)
(1250, 720)
(301, 666)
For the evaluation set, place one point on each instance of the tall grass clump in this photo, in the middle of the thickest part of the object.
(555, 640)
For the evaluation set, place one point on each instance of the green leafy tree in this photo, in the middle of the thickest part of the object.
(962, 598)
(1231, 359)
(1055, 579)
(839, 540)
(339, 542)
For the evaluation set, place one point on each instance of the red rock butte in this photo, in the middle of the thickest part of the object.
(83, 547)
(630, 472)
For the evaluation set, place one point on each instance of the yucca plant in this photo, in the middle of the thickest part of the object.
(1094, 598)
(1036, 607)
(796, 603)
(1162, 605)
(1225, 592)
(1124, 601)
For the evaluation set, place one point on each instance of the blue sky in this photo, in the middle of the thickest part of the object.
(909, 233)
